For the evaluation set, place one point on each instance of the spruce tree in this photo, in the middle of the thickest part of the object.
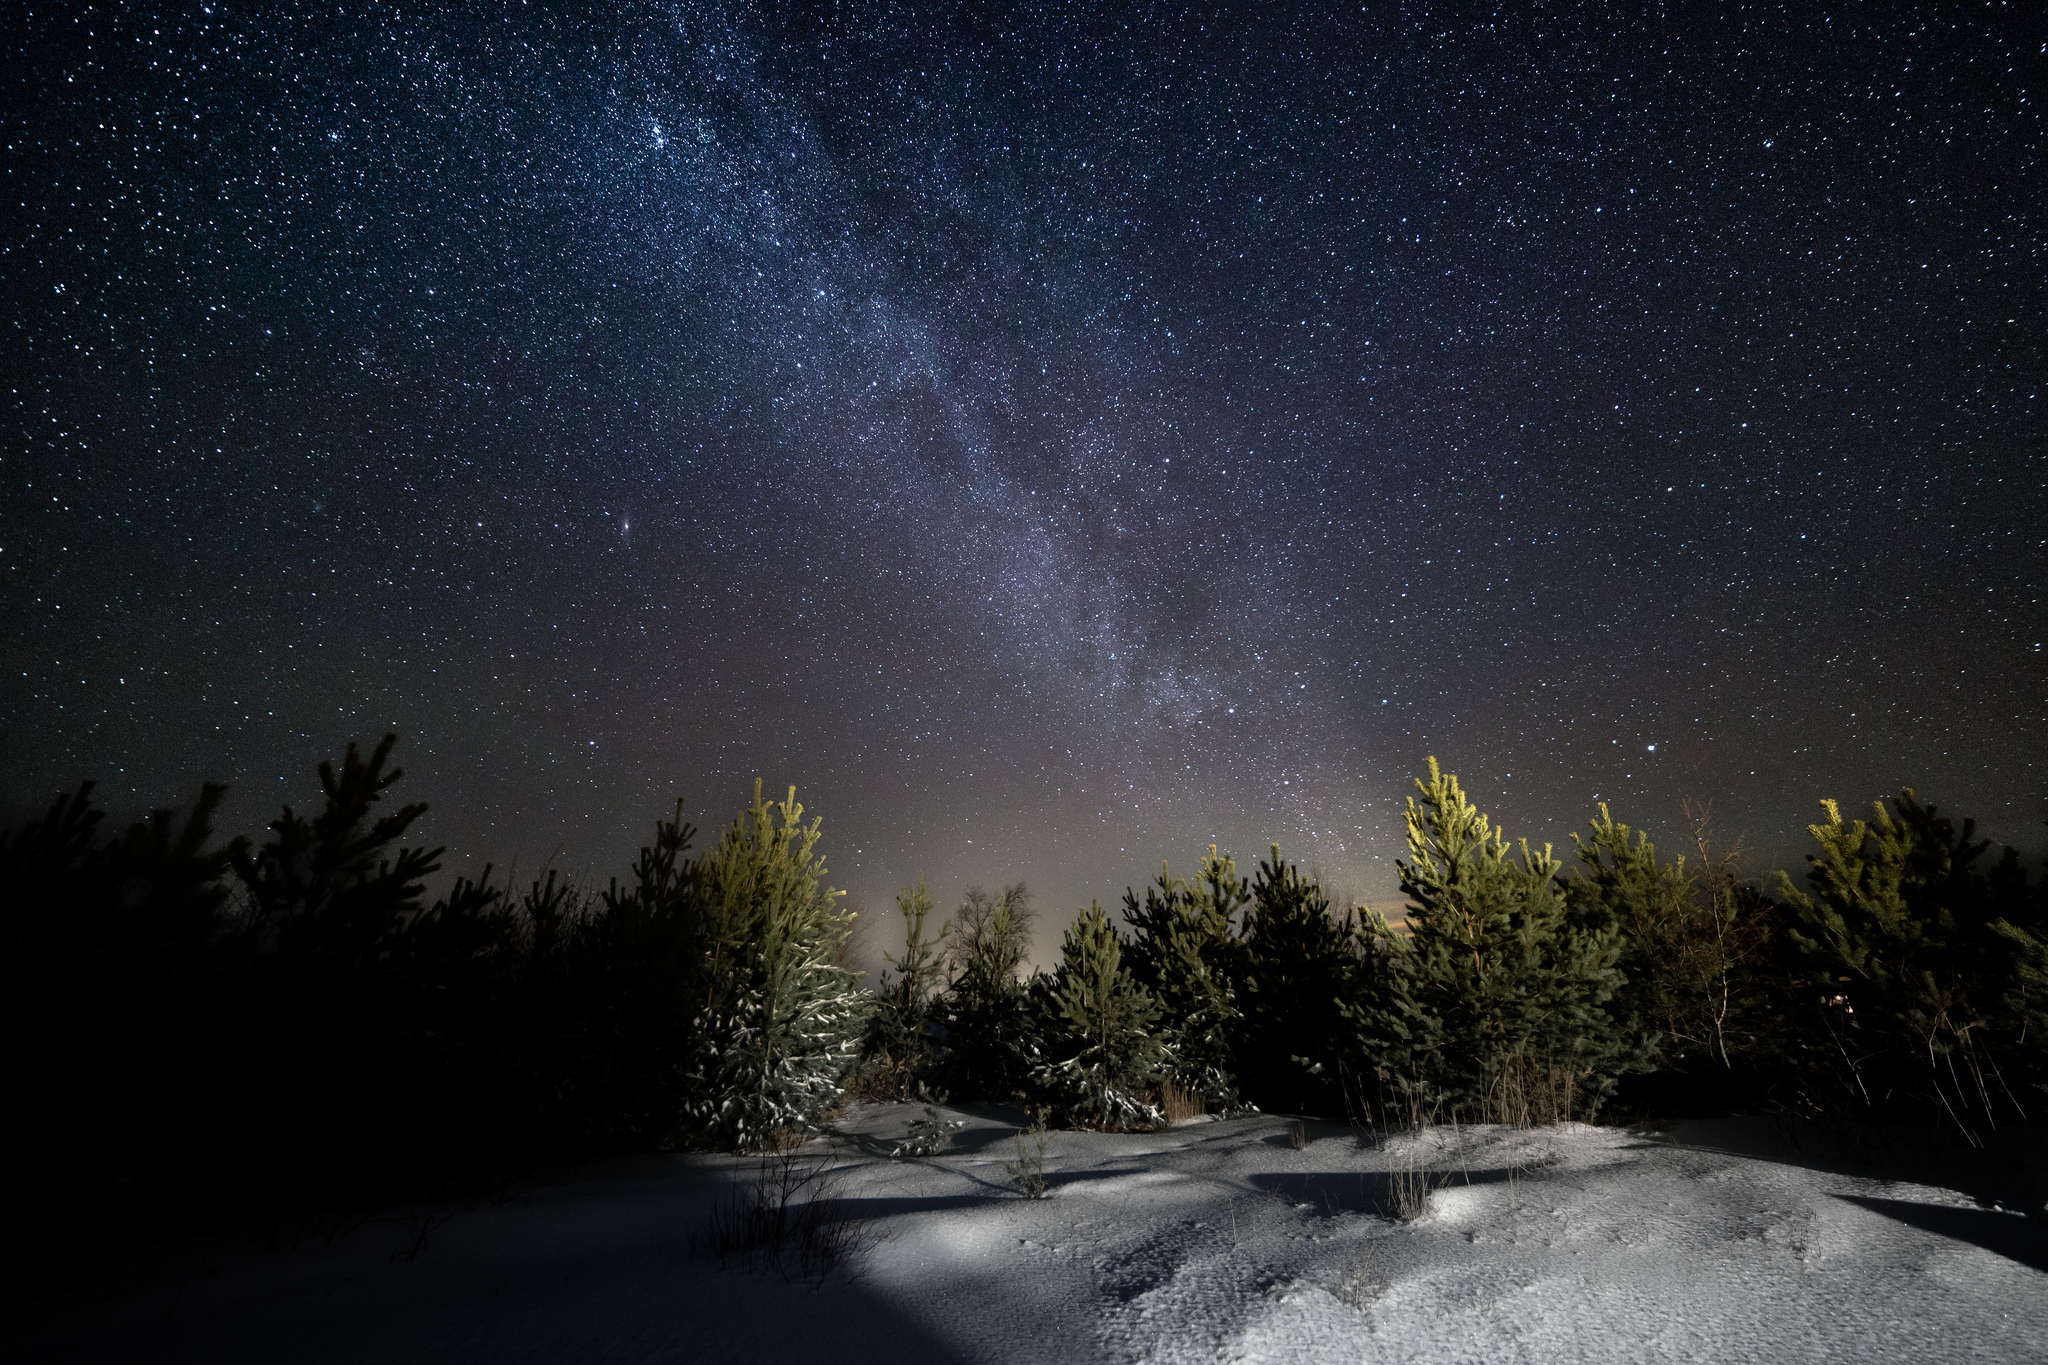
(1921, 974)
(1099, 1056)
(1186, 953)
(1505, 991)
(1301, 964)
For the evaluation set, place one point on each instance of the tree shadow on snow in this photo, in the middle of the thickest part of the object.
(988, 1125)
(2011, 1235)
(607, 1269)
(1312, 1130)
(2008, 1172)
(1330, 1193)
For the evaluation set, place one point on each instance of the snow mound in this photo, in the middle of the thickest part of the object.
(1206, 1242)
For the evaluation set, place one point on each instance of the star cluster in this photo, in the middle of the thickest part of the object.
(1053, 439)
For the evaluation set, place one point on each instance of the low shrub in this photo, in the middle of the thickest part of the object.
(1027, 1172)
(790, 1219)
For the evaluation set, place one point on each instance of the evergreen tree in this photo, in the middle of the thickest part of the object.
(1694, 946)
(1186, 953)
(1504, 990)
(629, 986)
(329, 892)
(1301, 964)
(780, 1020)
(364, 1005)
(899, 1036)
(119, 994)
(1100, 1058)
(1922, 974)
(989, 1021)
(1382, 1031)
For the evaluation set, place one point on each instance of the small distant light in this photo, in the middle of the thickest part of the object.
(1653, 748)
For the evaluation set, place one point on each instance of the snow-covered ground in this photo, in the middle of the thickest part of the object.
(1214, 1241)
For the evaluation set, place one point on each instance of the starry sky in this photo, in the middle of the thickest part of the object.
(1053, 438)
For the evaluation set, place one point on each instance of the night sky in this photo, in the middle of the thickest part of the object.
(1053, 441)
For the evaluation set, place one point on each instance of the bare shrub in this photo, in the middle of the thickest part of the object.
(990, 934)
(790, 1219)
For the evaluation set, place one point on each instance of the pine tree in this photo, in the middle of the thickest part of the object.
(780, 1020)
(631, 988)
(1099, 1056)
(1186, 953)
(119, 1002)
(349, 1015)
(899, 1036)
(1694, 946)
(1301, 964)
(1922, 974)
(329, 892)
(1504, 990)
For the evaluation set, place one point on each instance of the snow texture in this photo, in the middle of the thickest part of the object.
(1212, 1241)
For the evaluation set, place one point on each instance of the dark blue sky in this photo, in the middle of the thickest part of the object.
(1054, 442)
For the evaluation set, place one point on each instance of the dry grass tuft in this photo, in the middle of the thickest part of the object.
(1180, 1105)
(1409, 1183)
(1531, 1094)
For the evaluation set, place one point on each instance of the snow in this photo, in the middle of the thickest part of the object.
(1212, 1241)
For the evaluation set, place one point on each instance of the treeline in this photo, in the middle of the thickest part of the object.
(1906, 984)
(205, 1031)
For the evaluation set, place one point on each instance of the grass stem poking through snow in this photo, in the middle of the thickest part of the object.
(1356, 1289)
(1409, 1178)
(1409, 1185)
